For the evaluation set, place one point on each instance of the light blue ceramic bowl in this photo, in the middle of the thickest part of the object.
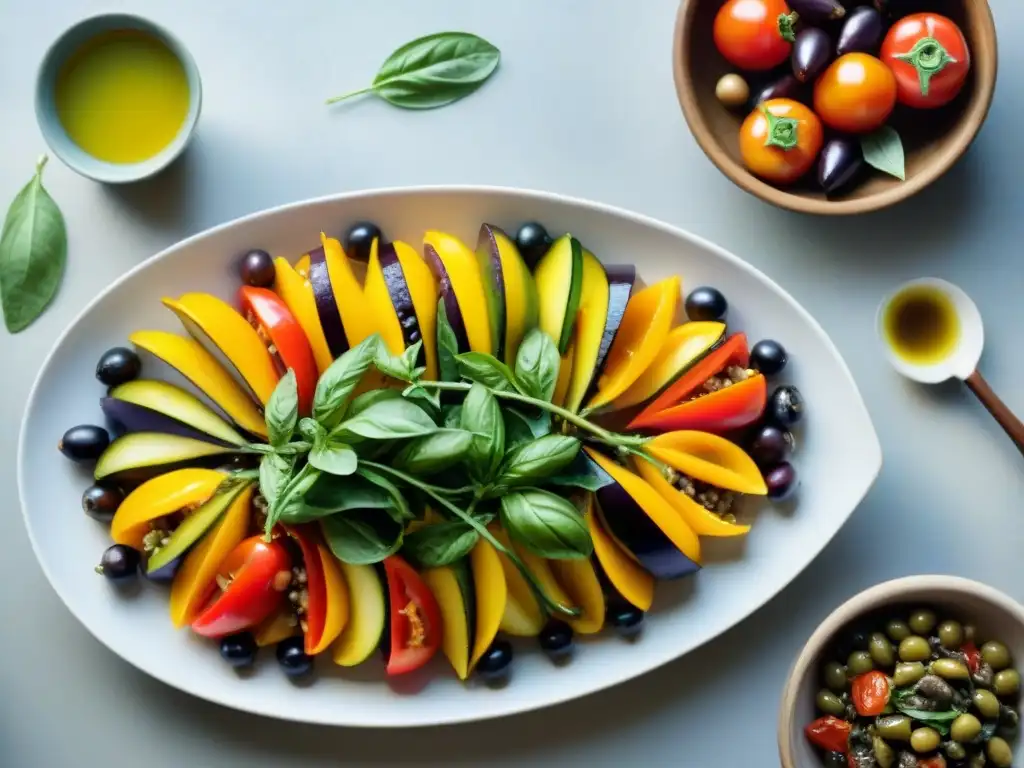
(46, 110)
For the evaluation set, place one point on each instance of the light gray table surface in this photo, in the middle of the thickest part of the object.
(584, 105)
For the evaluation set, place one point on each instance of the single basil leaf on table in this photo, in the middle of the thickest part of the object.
(433, 453)
(275, 472)
(399, 508)
(33, 253)
(883, 150)
(546, 524)
(537, 364)
(488, 370)
(441, 543)
(362, 536)
(282, 411)
(333, 457)
(433, 71)
(447, 346)
(538, 459)
(481, 415)
(389, 419)
(340, 380)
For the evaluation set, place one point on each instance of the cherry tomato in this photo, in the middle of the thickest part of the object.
(747, 33)
(780, 140)
(936, 761)
(829, 733)
(856, 94)
(870, 693)
(972, 655)
(415, 618)
(253, 579)
(285, 338)
(929, 56)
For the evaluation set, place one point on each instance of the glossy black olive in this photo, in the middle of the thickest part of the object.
(359, 239)
(706, 303)
(100, 502)
(119, 563)
(239, 650)
(533, 242)
(862, 31)
(781, 481)
(818, 10)
(627, 619)
(556, 639)
(840, 162)
(770, 446)
(786, 406)
(117, 366)
(257, 269)
(812, 52)
(496, 662)
(768, 357)
(84, 443)
(291, 655)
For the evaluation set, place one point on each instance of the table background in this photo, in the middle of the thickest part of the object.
(583, 105)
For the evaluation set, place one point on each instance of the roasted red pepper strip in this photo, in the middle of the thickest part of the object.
(255, 575)
(870, 693)
(326, 610)
(972, 655)
(415, 618)
(829, 733)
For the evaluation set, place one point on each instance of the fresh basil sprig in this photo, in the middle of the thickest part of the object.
(447, 346)
(538, 459)
(361, 537)
(442, 543)
(282, 412)
(537, 364)
(486, 369)
(481, 415)
(340, 380)
(388, 420)
(434, 453)
(546, 524)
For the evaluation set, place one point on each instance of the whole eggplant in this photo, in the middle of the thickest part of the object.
(839, 163)
(786, 87)
(817, 10)
(862, 31)
(812, 52)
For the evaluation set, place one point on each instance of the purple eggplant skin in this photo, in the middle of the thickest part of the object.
(131, 417)
(817, 10)
(401, 298)
(786, 87)
(326, 306)
(862, 31)
(621, 279)
(451, 303)
(812, 52)
(165, 574)
(489, 258)
(840, 162)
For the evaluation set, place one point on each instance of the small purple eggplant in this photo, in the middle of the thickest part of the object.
(862, 31)
(786, 87)
(817, 10)
(840, 161)
(812, 52)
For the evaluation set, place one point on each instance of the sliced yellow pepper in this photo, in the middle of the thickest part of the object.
(163, 495)
(295, 291)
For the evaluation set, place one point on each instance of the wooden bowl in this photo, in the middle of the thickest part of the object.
(995, 615)
(933, 139)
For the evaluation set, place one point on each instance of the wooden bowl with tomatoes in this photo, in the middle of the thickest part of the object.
(834, 107)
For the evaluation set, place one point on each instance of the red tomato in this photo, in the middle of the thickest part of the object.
(870, 693)
(936, 761)
(255, 575)
(747, 33)
(972, 655)
(829, 733)
(415, 618)
(288, 344)
(856, 94)
(929, 56)
(780, 148)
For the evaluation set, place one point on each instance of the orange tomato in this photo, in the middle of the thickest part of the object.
(747, 33)
(780, 148)
(856, 94)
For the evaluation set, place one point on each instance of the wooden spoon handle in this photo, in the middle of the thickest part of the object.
(1013, 426)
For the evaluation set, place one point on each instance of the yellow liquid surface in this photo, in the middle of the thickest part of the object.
(122, 97)
(922, 326)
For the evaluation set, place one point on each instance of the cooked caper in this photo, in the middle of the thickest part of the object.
(829, 703)
(895, 727)
(859, 663)
(1006, 683)
(986, 703)
(922, 622)
(908, 673)
(884, 754)
(925, 740)
(999, 752)
(955, 750)
(951, 669)
(914, 648)
(897, 630)
(834, 676)
(965, 728)
(996, 655)
(951, 635)
(881, 650)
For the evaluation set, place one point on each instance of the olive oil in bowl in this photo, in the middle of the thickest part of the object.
(921, 325)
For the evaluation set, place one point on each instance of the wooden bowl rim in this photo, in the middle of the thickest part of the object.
(985, 62)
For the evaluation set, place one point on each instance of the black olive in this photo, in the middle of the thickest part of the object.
(496, 662)
(291, 655)
(239, 650)
(781, 481)
(85, 442)
(706, 303)
(100, 502)
(117, 366)
(768, 357)
(533, 242)
(786, 406)
(771, 445)
(119, 563)
(257, 269)
(556, 639)
(359, 239)
(627, 619)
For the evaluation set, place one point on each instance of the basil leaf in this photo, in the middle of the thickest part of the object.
(517, 429)
(334, 493)
(275, 472)
(440, 544)
(883, 150)
(447, 346)
(451, 416)
(538, 459)
(433, 453)
(399, 508)
(311, 429)
(388, 420)
(940, 721)
(429, 401)
(546, 524)
(339, 381)
(582, 473)
(362, 537)
(537, 364)
(538, 425)
(282, 411)
(399, 367)
(291, 500)
(365, 400)
(481, 414)
(333, 457)
(488, 370)
(433, 71)
(33, 253)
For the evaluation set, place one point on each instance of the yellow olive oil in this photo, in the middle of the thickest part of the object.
(122, 97)
(921, 325)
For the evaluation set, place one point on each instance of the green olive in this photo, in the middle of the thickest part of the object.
(834, 675)
(950, 669)
(908, 673)
(897, 630)
(970, 632)
(884, 754)
(996, 655)
(965, 728)
(895, 727)
(955, 751)
(914, 648)
(922, 622)
(859, 663)
(925, 740)
(829, 703)
(951, 635)
(1006, 683)
(986, 703)
(881, 650)
(999, 753)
